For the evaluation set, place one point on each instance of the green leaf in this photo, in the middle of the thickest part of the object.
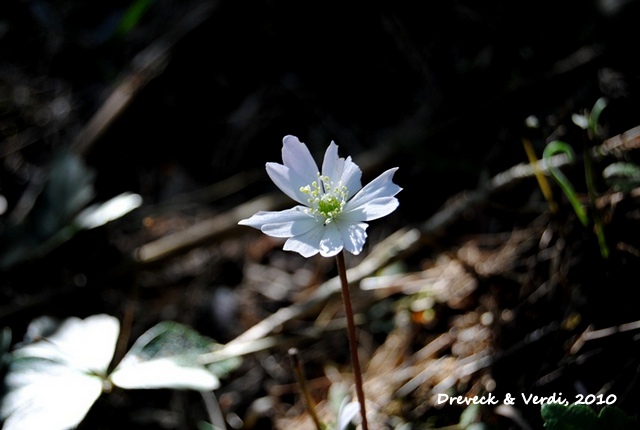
(53, 382)
(49, 222)
(166, 356)
(557, 147)
(469, 416)
(203, 425)
(582, 417)
(574, 417)
(69, 188)
(5, 346)
(132, 16)
(622, 176)
(478, 426)
(594, 116)
(611, 417)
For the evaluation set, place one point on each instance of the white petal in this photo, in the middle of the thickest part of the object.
(288, 181)
(332, 165)
(339, 169)
(382, 186)
(293, 228)
(286, 223)
(331, 242)
(354, 236)
(296, 156)
(351, 177)
(306, 244)
(374, 209)
(268, 217)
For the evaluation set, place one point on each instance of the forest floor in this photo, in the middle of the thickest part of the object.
(485, 282)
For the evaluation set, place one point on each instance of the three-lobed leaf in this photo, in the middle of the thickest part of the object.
(55, 377)
(53, 382)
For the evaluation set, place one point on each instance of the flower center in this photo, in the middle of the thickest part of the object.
(326, 199)
(328, 205)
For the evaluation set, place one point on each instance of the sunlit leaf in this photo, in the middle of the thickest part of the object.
(100, 214)
(46, 394)
(53, 382)
(87, 345)
(166, 356)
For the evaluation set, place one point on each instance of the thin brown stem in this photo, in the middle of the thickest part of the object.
(302, 382)
(353, 342)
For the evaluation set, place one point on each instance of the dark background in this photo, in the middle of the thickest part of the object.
(441, 89)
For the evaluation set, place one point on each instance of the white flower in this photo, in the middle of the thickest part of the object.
(334, 205)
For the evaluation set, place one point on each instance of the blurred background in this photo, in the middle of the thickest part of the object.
(182, 102)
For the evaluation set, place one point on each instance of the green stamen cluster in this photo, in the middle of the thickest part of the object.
(326, 198)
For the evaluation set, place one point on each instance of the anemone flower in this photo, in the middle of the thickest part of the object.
(334, 207)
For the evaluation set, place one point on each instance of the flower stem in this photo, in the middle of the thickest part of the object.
(353, 343)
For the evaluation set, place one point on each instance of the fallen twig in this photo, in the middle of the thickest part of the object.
(205, 231)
